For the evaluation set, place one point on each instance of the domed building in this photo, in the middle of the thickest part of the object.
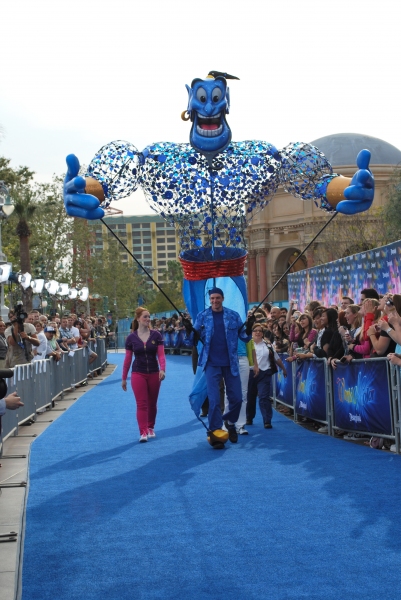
(278, 234)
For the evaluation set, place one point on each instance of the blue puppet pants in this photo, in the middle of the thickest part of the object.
(233, 391)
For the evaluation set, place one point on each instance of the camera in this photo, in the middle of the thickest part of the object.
(19, 315)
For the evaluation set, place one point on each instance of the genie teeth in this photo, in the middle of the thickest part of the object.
(209, 132)
(205, 118)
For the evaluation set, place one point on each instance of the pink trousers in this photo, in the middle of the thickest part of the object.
(146, 391)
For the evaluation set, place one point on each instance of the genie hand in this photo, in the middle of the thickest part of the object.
(76, 202)
(359, 194)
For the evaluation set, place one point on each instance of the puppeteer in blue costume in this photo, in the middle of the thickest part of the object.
(210, 189)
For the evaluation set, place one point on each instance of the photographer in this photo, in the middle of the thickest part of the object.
(20, 336)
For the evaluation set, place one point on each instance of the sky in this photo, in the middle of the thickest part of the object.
(76, 75)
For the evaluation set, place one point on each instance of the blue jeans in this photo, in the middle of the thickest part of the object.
(263, 381)
(233, 391)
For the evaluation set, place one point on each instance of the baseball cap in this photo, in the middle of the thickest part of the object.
(49, 330)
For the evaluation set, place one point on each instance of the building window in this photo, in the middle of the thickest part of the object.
(171, 255)
(170, 247)
(161, 255)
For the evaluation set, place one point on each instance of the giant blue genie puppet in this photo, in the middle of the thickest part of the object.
(210, 189)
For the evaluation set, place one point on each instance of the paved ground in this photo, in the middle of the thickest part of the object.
(13, 471)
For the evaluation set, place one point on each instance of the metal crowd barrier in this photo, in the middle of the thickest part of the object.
(362, 397)
(40, 382)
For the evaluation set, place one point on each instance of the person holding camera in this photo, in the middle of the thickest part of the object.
(20, 336)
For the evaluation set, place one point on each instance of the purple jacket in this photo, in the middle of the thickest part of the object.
(145, 354)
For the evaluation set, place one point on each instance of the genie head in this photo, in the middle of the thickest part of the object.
(208, 104)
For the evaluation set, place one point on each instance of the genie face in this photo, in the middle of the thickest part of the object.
(208, 104)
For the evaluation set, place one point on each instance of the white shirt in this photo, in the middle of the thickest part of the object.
(76, 334)
(263, 357)
(42, 348)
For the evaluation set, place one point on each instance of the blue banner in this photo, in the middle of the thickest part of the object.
(328, 283)
(310, 390)
(284, 391)
(362, 397)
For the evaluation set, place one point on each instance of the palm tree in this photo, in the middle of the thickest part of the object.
(24, 208)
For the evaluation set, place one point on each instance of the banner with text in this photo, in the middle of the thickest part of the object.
(284, 385)
(362, 396)
(310, 389)
(328, 283)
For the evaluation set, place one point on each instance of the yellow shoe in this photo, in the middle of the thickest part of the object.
(217, 438)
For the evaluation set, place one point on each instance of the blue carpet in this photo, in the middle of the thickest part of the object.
(283, 514)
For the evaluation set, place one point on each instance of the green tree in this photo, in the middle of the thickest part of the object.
(38, 235)
(171, 283)
(25, 207)
(347, 235)
(18, 181)
(50, 241)
(392, 208)
(118, 280)
(13, 178)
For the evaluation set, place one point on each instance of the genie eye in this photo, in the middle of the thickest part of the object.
(201, 95)
(216, 95)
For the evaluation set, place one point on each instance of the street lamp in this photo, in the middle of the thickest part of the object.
(52, 287)
(63, 289)
(37, 285)
(25, 280)
(83, 294)
(6, 209)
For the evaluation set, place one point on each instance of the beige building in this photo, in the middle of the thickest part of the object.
(284, 227)
(150, 238)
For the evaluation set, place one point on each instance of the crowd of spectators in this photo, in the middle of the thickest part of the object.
(365, 328)
(338, 333)
(39, 336)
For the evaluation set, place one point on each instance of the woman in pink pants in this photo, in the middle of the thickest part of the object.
(147, 346)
